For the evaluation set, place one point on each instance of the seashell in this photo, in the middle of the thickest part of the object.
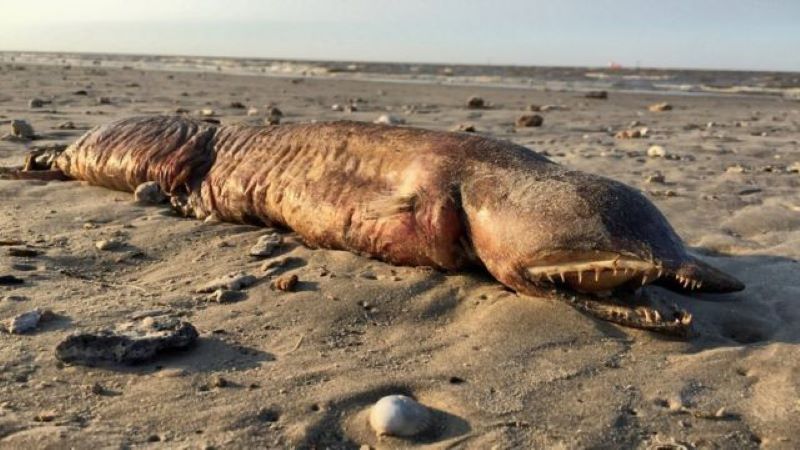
(399, 415)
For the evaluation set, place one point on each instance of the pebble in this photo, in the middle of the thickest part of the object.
(103, 100)
(128, 343)
(67, 125)
(21, 128)
(657, 177)
(399, 415)
(337, 107)
(23, 252)
(226, 296)
(465, 128)
(794, 167)
(387, 119)
(27, 321)
(252, 111)
(272, 120)
(266, 245)
(529, 120)
(10, 280)
(599, 95)
(149, 193)
(475, 103)
(35, 103)
(632, 134)
(659, 107)
(237, 105)
(285, 283)
(207, 112)
(108, 244)
(656, 151)
(233, 281)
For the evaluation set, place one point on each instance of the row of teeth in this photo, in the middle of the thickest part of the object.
(634, 267)
(688, 283)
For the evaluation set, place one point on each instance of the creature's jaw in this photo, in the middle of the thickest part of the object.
(607, 285)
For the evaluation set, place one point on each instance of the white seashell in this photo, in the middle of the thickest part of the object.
(398, 415)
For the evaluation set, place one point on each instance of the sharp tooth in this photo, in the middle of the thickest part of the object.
(657, 315)
(580, 277)
(686, 283)
(549, 278)
(644, 279)
(660, 272)
(699, 284)
(597, 274)
(614, 268)
(694, 284)
(563, 280)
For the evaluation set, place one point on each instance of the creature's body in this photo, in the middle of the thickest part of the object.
(412, 197)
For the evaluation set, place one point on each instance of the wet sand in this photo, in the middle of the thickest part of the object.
(302, 368)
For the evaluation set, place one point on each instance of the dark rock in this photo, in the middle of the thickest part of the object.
(529, 120)
(599, 95)
(475, 103)
(130, 343)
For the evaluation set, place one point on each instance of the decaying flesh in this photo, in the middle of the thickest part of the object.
(412, 197)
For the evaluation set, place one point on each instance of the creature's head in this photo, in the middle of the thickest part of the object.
(561, 228)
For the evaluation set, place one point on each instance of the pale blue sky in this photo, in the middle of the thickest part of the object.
(733, 34)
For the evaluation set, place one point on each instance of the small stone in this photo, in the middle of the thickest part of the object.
(399, 415)
(657, 177)
(217, 381)
(83, 92)
(237, 105)
(656, 151)
(128, 343)
(103, 100)
(25, 322)
(22, 129)
(149, 193)
(207, 112)
(233, 281)
(632, 133)
(465, 128)
(252, 111)
(534, 108)
(659, 107)
(274, 112)
(388, 119)
(108, 244)
(226, 296)
(794, 167)
(46, 416)
(529, 120)
(285, 283)
(337, 107)
(96, 389)
(68, 125)
(266, 245)
(475, 103)
(597, 95)
(35, 103)
(272, 120)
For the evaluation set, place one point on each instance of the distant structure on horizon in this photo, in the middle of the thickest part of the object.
(614, 65)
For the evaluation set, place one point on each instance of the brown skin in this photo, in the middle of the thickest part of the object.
(412, 197)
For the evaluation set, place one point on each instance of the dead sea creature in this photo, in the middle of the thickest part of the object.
(414, 197)
(398, 415)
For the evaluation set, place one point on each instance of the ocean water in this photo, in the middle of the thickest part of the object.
(674, 81)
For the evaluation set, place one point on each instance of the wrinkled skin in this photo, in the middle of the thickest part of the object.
(414, 197)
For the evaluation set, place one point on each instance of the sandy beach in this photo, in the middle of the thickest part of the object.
(300, 369)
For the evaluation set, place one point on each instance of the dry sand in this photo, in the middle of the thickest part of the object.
(500, 370)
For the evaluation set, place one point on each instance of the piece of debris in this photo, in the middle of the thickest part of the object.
(387, 119)
(598, 95)
(129, 343)
(399, 415)
(35, 103)
(149, 193)
(285, 283)
(465, 128)
(233, 282)
(529, 120)
(108, 244)
(475, 103)
(657, 177)
(658, 107)
(632, 133)
(66, 125)
(22, 129)
(226, 296)
(27, 321)
(266, 245)
(656, 151)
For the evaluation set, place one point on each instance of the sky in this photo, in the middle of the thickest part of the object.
(720, 34)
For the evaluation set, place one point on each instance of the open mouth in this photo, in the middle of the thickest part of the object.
(601, 272)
